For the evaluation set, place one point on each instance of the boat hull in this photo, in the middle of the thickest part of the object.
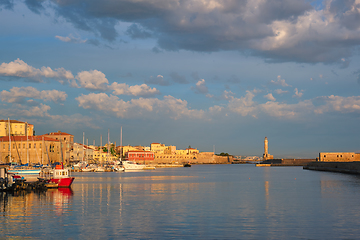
(63, 182)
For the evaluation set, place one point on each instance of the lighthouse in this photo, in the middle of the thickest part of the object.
(266, 154)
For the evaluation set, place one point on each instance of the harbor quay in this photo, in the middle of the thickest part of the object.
(20, 145)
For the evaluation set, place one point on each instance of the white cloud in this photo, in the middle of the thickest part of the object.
(142, 90)
(338, 104)
(289, 111)
(280, 82)
(297, 93)
(71, 39)
(16, 95)
(279, 91)
(244, 105)
(19, 68)
(135, 108)
(270, 97)
(92, 80)
(201, 87)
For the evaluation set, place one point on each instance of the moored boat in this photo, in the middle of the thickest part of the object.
(128, 165)
(59, 176)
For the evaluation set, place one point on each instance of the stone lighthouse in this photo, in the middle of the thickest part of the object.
(266, 154)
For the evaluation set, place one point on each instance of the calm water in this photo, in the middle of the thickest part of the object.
(201, 202)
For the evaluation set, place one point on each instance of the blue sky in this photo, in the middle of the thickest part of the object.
(186, 72)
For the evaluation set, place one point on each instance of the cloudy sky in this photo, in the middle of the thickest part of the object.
(223, 73)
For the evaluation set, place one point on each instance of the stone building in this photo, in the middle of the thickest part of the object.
(15, 128)
(32, 150)
(339, 156)
(66, 142)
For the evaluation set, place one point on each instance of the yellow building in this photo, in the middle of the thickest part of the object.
(32, 150)
(170, 150)
(339, 156)
(181, 152)
(66, 140)
(157, 148)
(192, 151)
(16, 128)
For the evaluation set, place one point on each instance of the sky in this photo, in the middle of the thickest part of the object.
(216, 74)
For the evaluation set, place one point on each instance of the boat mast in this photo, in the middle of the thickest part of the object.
(83, 147)
(27, 144)
(9, 139)
(108, 145)
(121, 146)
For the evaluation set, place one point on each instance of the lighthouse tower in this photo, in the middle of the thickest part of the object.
(266, 154)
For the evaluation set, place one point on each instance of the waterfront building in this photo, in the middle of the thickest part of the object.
(266, 155)
(15, 128)
(81, 152)
(181, 152)
(140, 156)
(157, 148)
(170, 150)
(192, 151)
(31, 149)
(339, 156)
(128, 148)
(66, 143)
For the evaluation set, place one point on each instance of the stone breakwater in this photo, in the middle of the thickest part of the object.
(342, 167)
(196, 159)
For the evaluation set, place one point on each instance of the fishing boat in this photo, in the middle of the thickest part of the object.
(57, 177)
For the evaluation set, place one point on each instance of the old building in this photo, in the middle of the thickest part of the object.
(15, 128)
(66, 143)
(32, 149)
(140, 156)
(339, 156)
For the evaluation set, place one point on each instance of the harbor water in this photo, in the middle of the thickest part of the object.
(201, 202)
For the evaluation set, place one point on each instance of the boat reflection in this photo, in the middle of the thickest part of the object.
(21, 203)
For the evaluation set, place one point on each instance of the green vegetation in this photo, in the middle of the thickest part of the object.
(223, 154)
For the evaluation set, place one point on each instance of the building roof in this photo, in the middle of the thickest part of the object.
(13, 121)
(30, 138)
(140, 151)
(58, 133)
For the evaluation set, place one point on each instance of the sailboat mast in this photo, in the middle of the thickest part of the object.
(121, 146)
(9, 139)
(108, 145)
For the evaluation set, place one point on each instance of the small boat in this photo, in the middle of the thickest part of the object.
(24, 171)
(128, 165)
(99, 169)
(118, 168)
(59, 176)
(187, 165)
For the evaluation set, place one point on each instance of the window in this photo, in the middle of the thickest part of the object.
(13, 145)
(4, 146)
(24, 145)
(34, 145)
(19, 145)
(29, 145)
(40, 145)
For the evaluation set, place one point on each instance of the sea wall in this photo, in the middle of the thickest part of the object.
(285, 162)
(193, 159)
(343, 167)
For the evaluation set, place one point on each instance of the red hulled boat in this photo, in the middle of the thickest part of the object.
(58, 177)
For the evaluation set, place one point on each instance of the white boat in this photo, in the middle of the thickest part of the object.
(23, 171)
(118, 168)
(99, 169)
(128, 165)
